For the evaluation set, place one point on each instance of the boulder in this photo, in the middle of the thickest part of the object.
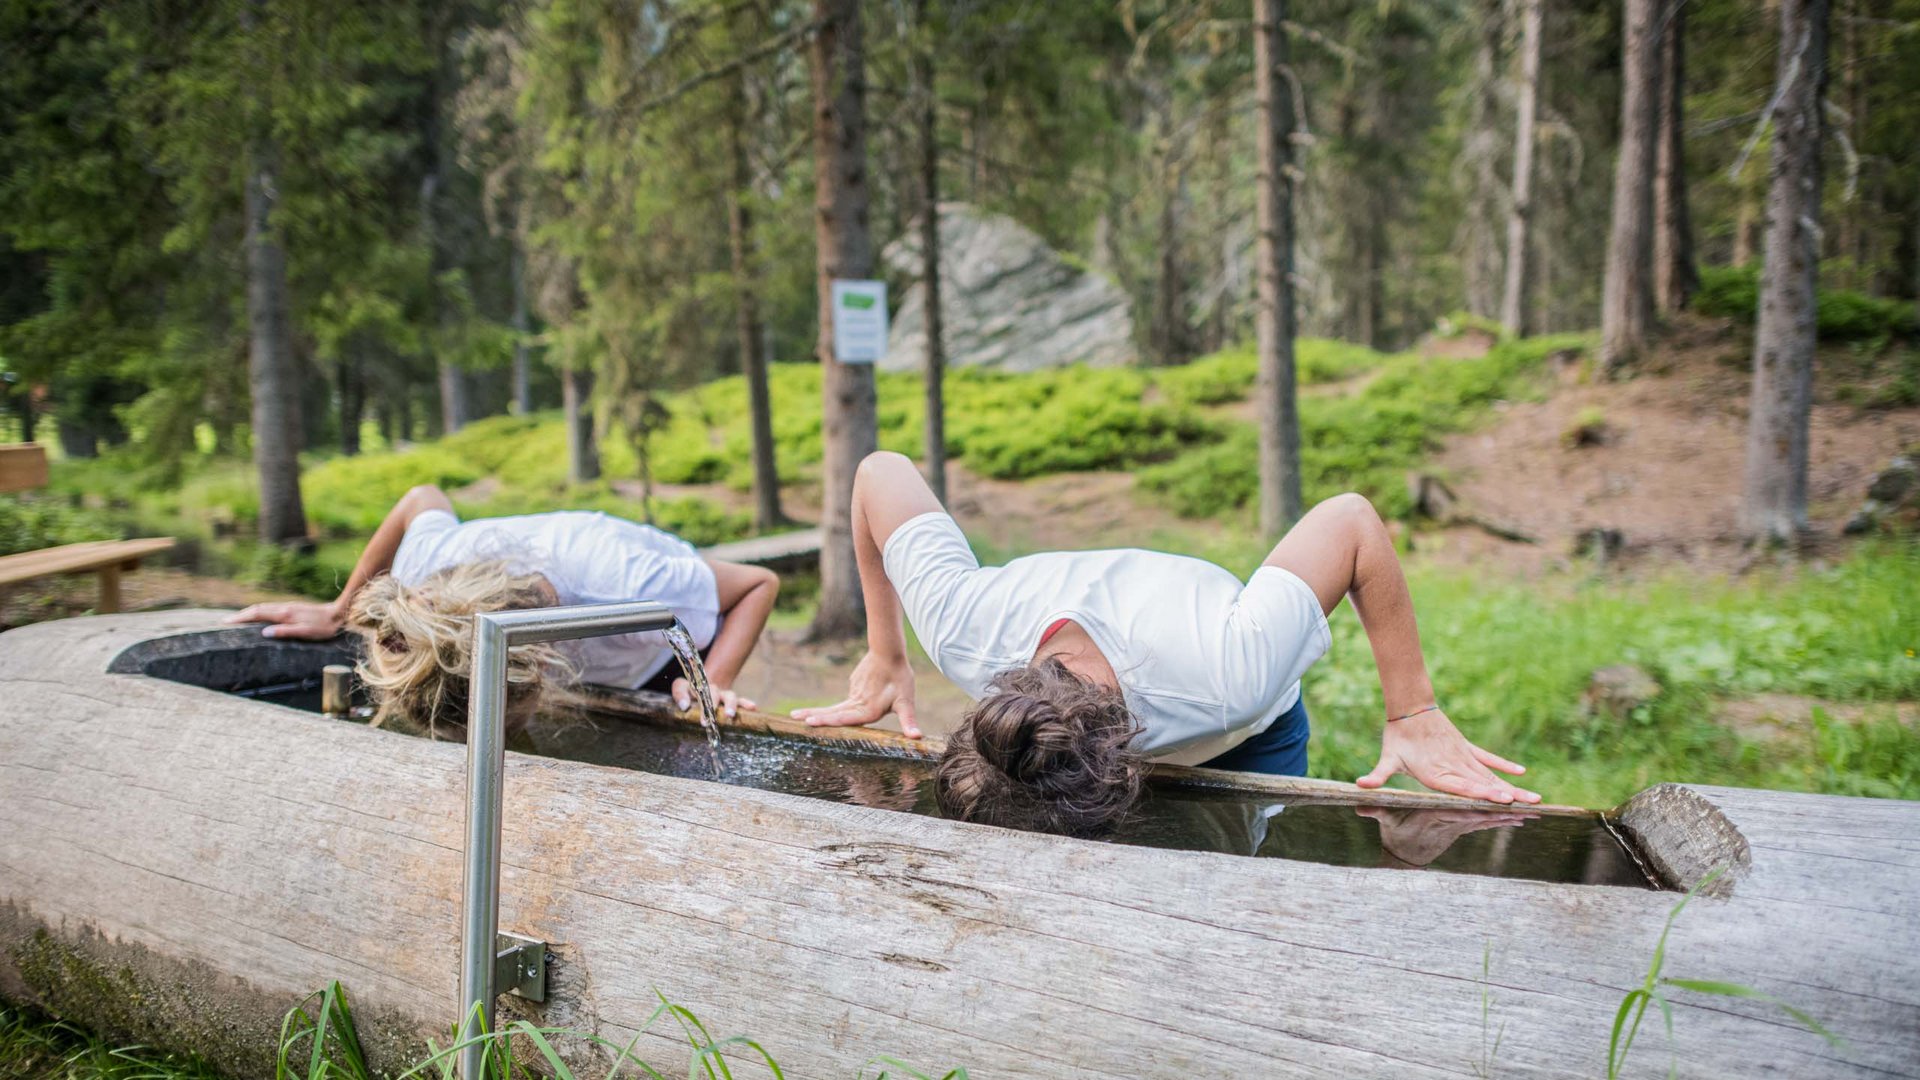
(1008, 301)
(1893, 497)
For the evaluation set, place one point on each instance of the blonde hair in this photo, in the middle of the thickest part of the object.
(419, 645)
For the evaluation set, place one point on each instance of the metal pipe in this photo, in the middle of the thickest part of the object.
(494, 633)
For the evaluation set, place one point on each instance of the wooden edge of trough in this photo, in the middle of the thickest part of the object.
(658, 708)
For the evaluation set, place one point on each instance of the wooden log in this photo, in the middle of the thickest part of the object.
(183, 865)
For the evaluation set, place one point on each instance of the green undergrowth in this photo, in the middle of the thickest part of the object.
(319, 1041)
(1511, 660)
(1008, 426)
(1365, 441)
(30, 522)
(1843, 315)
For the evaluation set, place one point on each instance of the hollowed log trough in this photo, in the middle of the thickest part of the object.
(180, 866)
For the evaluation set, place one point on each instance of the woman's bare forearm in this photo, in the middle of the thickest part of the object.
(887, 491)
(377, 557)
(746, 595)
(1341, 548)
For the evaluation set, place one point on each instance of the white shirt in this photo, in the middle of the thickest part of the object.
(590, 558)
(1204, 661)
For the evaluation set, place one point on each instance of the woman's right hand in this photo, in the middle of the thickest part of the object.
(304, 620)
(878, 685)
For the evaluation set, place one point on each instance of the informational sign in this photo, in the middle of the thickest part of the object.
(859, 321)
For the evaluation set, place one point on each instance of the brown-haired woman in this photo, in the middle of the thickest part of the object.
(425, 573)
(1086, 664)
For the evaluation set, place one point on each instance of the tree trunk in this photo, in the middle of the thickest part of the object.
(935, 453)
(353, 401)
(454, 398)
(522, 322)
(1513, 295)
(1626, 305)
(272, 376)
(1776, 480)
(844, 250)
(1746, 227)
(1281, 503)
(576, 406)
(1168, 333)
(1674, 276)
(753, 358)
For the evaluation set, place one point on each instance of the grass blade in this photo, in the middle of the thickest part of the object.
(1736, 990)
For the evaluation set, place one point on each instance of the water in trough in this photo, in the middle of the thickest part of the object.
(1516, 845)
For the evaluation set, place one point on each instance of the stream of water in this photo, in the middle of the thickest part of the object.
(696, 672)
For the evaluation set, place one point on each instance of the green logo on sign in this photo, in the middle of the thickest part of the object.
(856, 301)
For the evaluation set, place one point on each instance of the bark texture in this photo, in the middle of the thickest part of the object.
(576, 407)
(522, 322)
(1775, 508)
(1626, 304)
(1281, 503)
(1674, 276)
(837, 63)
(1520, 214)
(272, 373)
(935, 453)
(747, 324)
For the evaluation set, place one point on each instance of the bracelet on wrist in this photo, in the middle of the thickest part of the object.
(1435, 707)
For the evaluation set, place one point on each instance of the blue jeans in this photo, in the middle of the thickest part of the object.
(1281, 750)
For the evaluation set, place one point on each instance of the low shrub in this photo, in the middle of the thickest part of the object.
(1362, 442)
(1843, 315)
(28, 523)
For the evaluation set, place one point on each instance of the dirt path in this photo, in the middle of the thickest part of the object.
(1667, 472)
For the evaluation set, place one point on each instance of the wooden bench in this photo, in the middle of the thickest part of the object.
(786, 552)
(24, 468)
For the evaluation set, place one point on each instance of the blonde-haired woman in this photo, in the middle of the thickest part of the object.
(425, 574)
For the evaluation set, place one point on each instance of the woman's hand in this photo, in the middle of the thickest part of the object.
(304, 620)
(1430, 749)
(879, 684)
(1417, 837)
(724, 697)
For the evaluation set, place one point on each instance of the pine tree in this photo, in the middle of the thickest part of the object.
(1775, 508)
(1626, 306)
(1281, 503)
(837, 62)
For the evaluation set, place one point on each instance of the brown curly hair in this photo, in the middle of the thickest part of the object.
(419, 647)
(1046, 749)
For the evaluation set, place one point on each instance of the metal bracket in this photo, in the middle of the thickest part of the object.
(520, 966)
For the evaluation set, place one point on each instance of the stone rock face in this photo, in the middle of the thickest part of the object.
(1009, 301)
(1893, 498)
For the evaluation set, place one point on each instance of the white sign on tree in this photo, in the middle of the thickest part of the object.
(859, 321)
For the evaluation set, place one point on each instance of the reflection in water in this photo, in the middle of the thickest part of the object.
(1516, 844)
(1491, 843)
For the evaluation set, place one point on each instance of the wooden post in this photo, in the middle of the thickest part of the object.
(109, 589)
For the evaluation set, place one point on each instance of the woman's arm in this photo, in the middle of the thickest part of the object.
(1342, 549)
(747, 594)
(317, 622)
(888, 492)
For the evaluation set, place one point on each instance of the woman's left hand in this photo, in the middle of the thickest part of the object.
(1430, 749)
(724, 699)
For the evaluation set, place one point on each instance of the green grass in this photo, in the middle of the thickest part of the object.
(36, 1048)
(1654, 988)
(1510, 662)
